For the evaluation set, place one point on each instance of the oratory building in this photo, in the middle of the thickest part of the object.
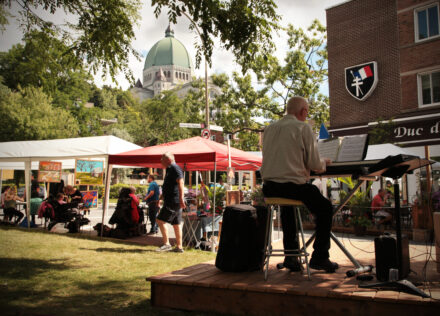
(167, 66)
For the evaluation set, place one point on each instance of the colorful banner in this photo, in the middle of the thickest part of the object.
(90, 199)
(49, 171)
(89, 172)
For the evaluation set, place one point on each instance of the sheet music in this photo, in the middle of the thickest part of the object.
(352, 148)
(329, 148)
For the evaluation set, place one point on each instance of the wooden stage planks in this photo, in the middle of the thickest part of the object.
(205, 288)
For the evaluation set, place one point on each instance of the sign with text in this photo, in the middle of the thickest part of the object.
(417, 130)
(49, 171)
(192, 125)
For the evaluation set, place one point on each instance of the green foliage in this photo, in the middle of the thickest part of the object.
(257, 196)
(220, 197)
(28, 115)
(381, 133)
(46, 62)
(358, 204)
(102, 34)
(241, 106)
(302, 73)
(116, 188)
(163, 114)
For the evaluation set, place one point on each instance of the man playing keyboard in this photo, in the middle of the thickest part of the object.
(289, 154)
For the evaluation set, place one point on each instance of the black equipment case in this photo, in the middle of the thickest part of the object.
(242, 238)
(386, 256)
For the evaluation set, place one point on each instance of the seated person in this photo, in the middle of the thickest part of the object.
(10, 200)
(73, 194)
(289, 153)
(377, 205)
(123, 215)
(61, 198)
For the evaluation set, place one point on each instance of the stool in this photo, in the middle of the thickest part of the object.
(271, 202)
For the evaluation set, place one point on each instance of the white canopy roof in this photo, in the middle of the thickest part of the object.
(14, 154)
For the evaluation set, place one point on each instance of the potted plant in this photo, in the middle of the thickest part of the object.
(257, 196)
(359, 206)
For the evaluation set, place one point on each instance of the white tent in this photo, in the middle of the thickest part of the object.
(23, 154)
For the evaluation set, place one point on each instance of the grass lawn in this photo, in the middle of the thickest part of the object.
(44, 273)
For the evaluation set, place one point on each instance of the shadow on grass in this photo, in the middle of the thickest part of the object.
(21, 268)
(120, 250)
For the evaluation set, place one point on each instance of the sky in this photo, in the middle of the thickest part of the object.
(150, 30)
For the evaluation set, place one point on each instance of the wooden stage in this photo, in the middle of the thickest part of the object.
(203, 287)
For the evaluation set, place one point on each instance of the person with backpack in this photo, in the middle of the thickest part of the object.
(152, 199)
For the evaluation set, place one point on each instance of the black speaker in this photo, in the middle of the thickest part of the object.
(385, 247)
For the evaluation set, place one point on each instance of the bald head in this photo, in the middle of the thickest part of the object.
(299, 107)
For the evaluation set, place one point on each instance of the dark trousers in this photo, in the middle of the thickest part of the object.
(317, 204)
(11, 212)
(153, 208)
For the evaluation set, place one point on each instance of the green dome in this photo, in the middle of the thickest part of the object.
(168, 51)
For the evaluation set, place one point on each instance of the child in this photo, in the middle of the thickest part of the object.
(60, 199)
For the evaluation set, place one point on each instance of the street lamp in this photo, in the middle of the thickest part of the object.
(206, 72)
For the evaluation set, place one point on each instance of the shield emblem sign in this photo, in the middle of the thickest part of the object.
(361, 80)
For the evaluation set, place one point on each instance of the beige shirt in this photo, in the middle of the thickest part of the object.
(290, 151)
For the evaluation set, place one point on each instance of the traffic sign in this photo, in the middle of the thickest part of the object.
(192, 125)
(206, 133)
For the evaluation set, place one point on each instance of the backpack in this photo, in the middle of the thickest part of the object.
(46, 210)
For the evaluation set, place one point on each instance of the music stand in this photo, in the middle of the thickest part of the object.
(399, 285)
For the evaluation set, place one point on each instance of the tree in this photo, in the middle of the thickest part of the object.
(104, 30)
(28, 115)
(46, 62)
(302, 73)
(102, 34)
(162, 115)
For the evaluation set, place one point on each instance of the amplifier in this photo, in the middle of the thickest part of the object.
(385, 247)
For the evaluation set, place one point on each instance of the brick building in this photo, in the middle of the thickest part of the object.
(396, 42)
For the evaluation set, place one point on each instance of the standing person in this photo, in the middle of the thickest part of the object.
(35, 202)
(134, 206)
(173, 203)
(377, 205)
(152, 199)
(289, 153)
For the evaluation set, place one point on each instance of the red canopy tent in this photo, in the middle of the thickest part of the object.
(194, 153)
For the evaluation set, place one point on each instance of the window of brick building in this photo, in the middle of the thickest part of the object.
(429, 88)
(426, 22)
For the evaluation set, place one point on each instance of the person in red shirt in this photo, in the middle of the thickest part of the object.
(377, 207)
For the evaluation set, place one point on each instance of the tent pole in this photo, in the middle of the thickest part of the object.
(213, 208)
(106, 193)
(27, 178)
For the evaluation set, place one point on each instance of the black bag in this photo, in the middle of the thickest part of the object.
(242, 239)
(385, 248)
